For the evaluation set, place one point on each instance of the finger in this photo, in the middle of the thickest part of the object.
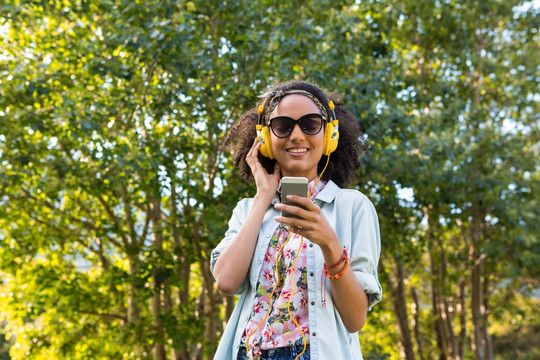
(256, 143)
(310, 212)
(277, 170)
(252, 155)
(303, 201)
(254, 148)
(289, 209)
(294, 221)
(297, 230)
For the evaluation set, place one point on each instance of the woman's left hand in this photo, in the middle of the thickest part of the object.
(349, 298)
(312, 223)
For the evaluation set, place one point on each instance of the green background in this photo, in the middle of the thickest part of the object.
(115, 183)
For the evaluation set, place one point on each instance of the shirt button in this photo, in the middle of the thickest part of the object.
(311, 274)
(310, 245)
(314, 334)
(267, 236)
(313, 303)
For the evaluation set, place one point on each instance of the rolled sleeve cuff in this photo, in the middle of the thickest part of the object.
(213, 258)
(370, 284)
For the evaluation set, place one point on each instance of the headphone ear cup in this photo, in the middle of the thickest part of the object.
(266, 143)
(330, 142)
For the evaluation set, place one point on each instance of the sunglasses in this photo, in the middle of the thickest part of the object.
(310, 124)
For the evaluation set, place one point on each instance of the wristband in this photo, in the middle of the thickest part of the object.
(344, 257)
(340, 274)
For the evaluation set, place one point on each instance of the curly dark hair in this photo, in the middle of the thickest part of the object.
(344, 161)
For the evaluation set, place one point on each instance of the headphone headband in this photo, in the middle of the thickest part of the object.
(274, 97)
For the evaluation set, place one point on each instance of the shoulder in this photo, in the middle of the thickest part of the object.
(240, 211)
(243, 205)
(352, 195)
(333, 193)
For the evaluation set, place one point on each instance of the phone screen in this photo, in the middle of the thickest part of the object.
(293, 186)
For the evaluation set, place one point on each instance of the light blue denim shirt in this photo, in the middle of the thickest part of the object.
(355, 222)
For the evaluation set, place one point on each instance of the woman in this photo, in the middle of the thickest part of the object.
(305, 283)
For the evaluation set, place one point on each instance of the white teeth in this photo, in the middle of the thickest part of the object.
(297, 150)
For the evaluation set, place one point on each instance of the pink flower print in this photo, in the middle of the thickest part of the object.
(257, 308)
(288, 253)
(303, 302)
(267, 278)
(268, 257)
(268, 334)
(286, 295)
(270, 254)
(249, 330)
(254, 353)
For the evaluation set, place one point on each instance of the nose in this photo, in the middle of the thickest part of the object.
(296, 133)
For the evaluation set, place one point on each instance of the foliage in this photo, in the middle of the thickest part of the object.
(116, 185)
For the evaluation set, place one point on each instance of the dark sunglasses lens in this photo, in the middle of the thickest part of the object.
(311, 124)
(282, 126)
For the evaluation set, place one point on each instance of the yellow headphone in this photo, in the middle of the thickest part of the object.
(331, 128)
(263, 134)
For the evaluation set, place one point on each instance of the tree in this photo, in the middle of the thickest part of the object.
(116, 185)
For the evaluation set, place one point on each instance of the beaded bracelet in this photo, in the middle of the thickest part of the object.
(340, 274)
(344, 257)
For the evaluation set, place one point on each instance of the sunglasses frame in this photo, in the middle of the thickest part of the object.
(296, 122)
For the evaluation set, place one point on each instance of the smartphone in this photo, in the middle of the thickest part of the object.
(293, 186)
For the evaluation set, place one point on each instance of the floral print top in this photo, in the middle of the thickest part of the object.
(277, 329)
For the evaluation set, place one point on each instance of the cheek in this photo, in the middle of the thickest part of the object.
(319, 142)
(276, 142)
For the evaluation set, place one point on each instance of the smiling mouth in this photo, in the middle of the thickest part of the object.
(298, 151)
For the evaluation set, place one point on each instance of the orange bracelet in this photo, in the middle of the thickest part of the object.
(340, 274)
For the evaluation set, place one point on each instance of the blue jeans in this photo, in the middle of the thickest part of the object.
(284, 353)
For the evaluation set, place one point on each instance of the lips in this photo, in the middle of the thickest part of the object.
(301, 150)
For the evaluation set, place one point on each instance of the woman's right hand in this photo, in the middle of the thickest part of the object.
(267, 184)
(233, 264)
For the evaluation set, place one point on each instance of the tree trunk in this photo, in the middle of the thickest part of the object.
(155, 303)
(209, 302)
(182, 265)
(444, 335)
(481, 341)
(399, 299)
(446, 340)
(400, 308)
(133, 308)
(486, 337)
(462, 313)
(183, 270)
(415, 308)
(133, 311)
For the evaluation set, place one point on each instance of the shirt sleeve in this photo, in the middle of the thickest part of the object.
(235, 223)
(366, 249)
